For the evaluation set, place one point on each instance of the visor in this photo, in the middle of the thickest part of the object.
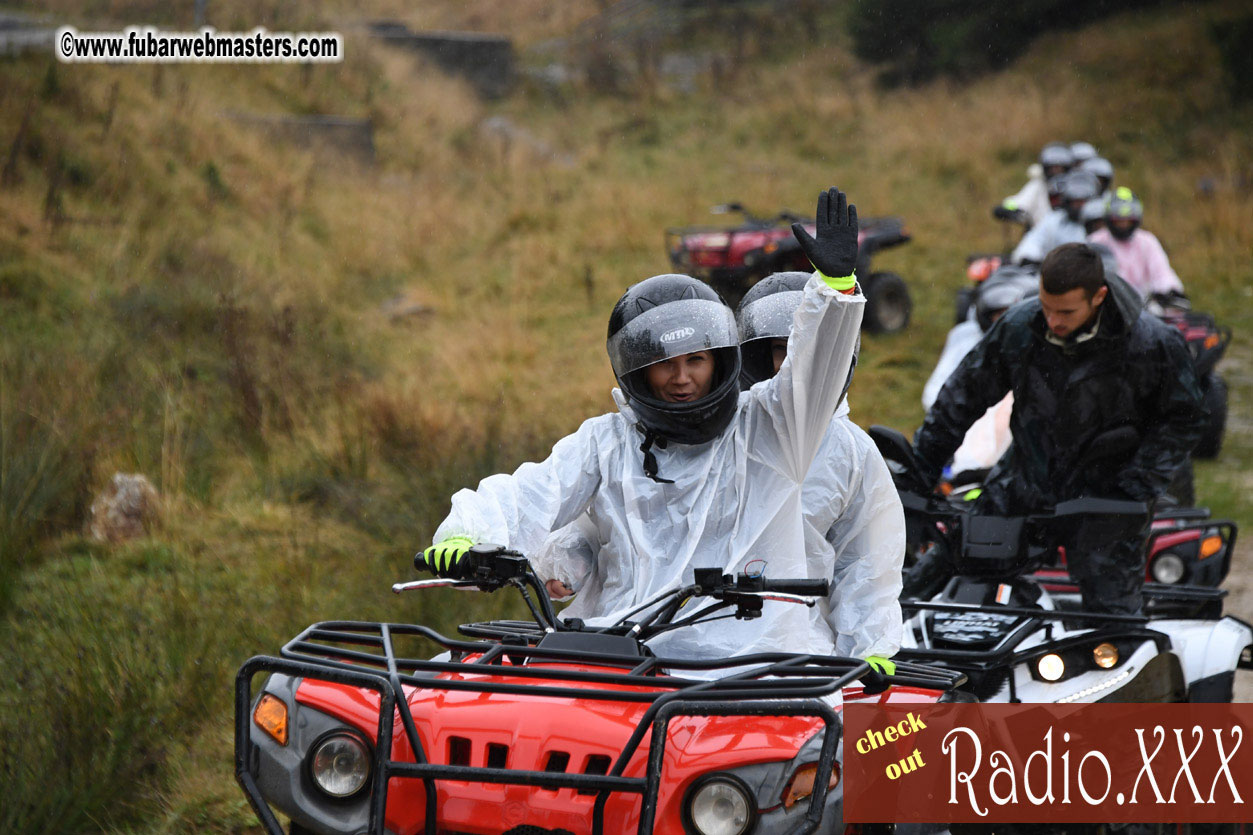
(769, 317)
(670, 330)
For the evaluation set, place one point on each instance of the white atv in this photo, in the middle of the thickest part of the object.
(1018, 642)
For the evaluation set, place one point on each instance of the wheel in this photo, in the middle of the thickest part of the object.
(887, 303)
(1214, 396)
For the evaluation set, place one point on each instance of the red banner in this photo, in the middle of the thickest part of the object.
(1090, 763)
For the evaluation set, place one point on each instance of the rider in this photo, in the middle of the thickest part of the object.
(1142, 262)
(1064, 224)
(1102, 169)
(690, 472)
(1081, 359)
(1082, 152)
(854, 525)
(1007, 286)
(988, 438)
(1093, 215)
(1033, 198)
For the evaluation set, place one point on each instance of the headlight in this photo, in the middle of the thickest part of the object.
(340, 764)
(720, 805)
(1105, 655)
(1168, 568)
(1051, 667)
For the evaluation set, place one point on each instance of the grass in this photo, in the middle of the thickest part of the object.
(214, 309)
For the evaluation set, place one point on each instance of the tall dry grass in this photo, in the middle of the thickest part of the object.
(217, 309)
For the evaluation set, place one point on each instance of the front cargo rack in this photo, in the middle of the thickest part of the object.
(363, 654)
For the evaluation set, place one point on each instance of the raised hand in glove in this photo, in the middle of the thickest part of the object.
(834, 252)
(446, 558)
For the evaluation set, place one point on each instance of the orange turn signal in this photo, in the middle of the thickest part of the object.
(801, 785)
(271, 717)
(1211, 341)
(1211, 545)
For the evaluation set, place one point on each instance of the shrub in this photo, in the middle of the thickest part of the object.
(1235, 44)
(922, 39)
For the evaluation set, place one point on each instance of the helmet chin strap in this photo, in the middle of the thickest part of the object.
(650, 460)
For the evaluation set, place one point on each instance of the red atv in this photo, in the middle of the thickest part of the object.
(733, 260)
(1185, 545)
(1207, 342)
(1185, 548)
(550, 726)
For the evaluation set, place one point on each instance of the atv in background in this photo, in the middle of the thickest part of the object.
(731, 260)
(979, 266)
(1207, 342)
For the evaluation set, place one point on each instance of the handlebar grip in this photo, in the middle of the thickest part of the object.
(803, 588)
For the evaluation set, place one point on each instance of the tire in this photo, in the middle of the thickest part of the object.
(887, 303)
(1214, 396)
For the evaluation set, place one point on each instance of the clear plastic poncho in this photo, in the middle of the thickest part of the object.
(854, 536)
(734, 499)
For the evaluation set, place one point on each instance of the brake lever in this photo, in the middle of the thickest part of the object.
(782, 597)
(414, 585)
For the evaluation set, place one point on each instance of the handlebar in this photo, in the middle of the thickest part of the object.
(798, 588)
(491, 567)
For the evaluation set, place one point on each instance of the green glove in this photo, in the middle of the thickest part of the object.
(446, 559)
(881, 665)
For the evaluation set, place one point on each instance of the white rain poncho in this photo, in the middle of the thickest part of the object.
(1047, 235)
(957, 345)
(854, 536)
(734, 499)
(988, 438)
(1032, 198)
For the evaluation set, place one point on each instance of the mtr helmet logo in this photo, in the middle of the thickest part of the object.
(677, 334)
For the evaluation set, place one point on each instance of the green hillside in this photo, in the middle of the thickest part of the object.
(307, 354)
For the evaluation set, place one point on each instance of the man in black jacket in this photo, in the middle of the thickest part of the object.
(1081, 359)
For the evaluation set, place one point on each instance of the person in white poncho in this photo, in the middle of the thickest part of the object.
(690, 472)
(854, 524)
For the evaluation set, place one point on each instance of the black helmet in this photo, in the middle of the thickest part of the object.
(765, 313)
(1123, 205)
(667, 316)
(1002, 290)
